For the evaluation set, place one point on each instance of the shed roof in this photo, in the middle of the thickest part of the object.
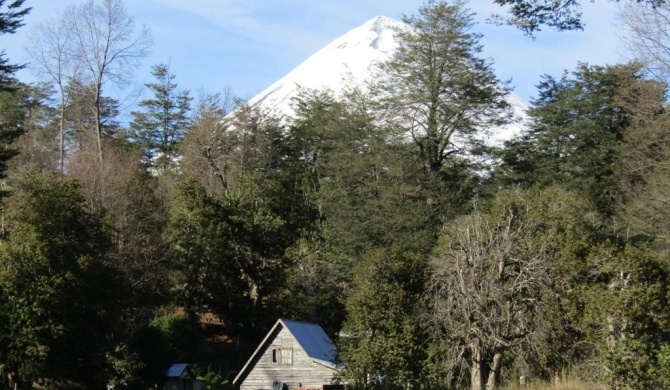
(177, 370)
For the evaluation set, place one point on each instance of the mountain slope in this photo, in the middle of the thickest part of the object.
(348, 61)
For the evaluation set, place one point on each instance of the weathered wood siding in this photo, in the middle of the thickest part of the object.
(303, 370)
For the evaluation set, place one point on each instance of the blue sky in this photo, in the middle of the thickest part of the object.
(249, 44)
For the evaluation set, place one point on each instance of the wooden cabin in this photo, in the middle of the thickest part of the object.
(293, 355)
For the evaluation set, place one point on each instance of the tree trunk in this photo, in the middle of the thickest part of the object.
(494, 374)
(476, 371)
(61, 141)
(98, 129)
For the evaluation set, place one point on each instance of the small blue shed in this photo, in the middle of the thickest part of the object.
(181, 377)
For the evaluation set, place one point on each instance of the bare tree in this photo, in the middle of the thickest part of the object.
(50, 47)
(208, 147)
(108, 46)
(489, 272)
(647, 36)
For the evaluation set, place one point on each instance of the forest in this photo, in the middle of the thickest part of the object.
(432, 258)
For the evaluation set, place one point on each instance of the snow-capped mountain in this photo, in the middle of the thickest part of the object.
(348, 61)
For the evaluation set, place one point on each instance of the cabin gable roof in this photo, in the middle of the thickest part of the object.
(310, 337)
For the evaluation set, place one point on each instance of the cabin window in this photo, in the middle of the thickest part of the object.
(282, 355)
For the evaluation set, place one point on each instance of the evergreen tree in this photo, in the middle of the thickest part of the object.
(382, 341)
(644, 170)
(531, 15)
(357, 189)
(626, 315)
(162, 125)
(438, 92)
(61, 298)
(228, 253)
(80, 116)
(11, 19)
(576, 131)
(38, 144)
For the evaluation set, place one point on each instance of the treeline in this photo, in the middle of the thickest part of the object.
(432, 257)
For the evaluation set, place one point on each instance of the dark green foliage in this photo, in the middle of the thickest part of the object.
(141, 362)
(200, 237)
(577, 126)
(11, 116)
(531, 15)
(358, 184)
(662, 370)
(11, 126)
(182, 336)
(361, 182)
(438, 93)
(214, 380)
(162, 125)
(628, 305)
(437, 90)
(19, 113)
(62, 298)
(80, 114)
(11, 18)
(382, 340)
(331, 216)
(38, 145)
(644, 175)
(227, 252)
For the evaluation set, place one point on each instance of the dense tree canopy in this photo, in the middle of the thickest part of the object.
(62, 298)
(576, 130)
(431, 258)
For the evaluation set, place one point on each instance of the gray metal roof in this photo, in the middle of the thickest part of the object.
(313, 340)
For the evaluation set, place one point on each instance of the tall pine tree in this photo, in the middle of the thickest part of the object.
(161, 125)
(11, 19)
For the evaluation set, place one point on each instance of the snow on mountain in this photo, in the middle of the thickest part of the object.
(348, 61)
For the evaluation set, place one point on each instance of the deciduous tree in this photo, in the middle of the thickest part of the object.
(51, 45)
(492, 278)
(108, 46)
(209, 145)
